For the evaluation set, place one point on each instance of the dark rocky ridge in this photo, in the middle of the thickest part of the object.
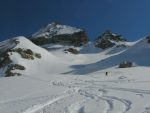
(76, 39)
(148, 38)
(51, 35)
(108, 39)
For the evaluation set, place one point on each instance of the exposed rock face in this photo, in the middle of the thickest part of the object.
(8, 49)
(72, 50)
(148, 39)
(108, 39)
(60, 34)
(12, 67)
(26, 53)
(125, 64)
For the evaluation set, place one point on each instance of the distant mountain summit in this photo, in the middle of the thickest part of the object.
(108, 39)
(55, 33)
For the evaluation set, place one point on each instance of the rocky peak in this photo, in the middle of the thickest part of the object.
(59, 34)
(108, 39)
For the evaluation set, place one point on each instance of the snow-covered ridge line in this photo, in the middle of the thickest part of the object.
(55, 29)
(19, 55)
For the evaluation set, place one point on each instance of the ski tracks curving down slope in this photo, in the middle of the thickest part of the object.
(91, 97)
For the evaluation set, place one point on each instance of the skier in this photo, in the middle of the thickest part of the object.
(106, 74)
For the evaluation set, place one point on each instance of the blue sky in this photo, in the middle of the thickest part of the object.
(130, 18)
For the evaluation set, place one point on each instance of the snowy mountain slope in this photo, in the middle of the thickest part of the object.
(118, 48)
(89, 58)
(122, 91)
(22, 52)
(138, 53)
(60, 82)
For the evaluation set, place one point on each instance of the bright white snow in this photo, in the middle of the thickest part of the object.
(65, 83)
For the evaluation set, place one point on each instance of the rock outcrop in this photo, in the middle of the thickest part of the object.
(55, 33)
(10, 51)
(108, 39)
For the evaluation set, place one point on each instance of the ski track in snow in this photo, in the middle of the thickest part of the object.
(76, 108)
(36, 108)
(112, 103)
(126, 104)
(147, 110)
(130, 90)
(89, 91)
(110, 106)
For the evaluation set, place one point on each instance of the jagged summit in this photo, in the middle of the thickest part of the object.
(108, 39)
(60, 34)
(55, 29)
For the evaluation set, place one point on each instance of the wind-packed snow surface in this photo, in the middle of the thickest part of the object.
(62, 82)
